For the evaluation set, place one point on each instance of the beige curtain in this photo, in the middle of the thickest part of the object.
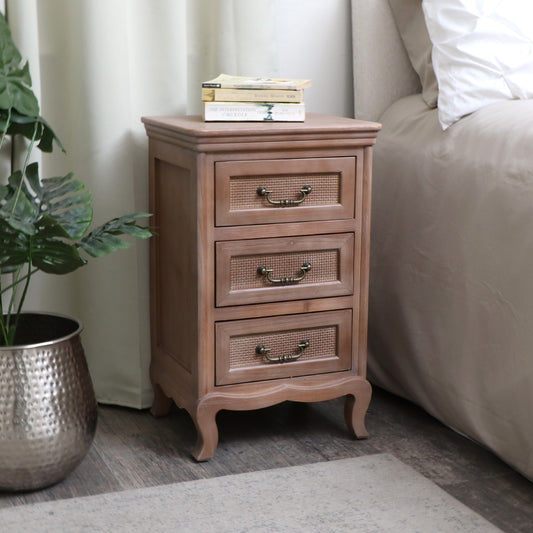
(99, 65)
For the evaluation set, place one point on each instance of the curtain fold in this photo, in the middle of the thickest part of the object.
(99, 65)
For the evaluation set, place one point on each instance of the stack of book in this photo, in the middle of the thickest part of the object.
(241, 99)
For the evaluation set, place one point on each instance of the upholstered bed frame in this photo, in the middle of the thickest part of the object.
(382, 71)
(451, 299)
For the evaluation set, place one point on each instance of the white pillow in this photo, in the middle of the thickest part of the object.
(482, 53)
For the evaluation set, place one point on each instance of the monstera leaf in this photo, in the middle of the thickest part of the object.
(38, 220)
(31, 127)
(44, 250)
(19, 107)
(44, 223)
(63, 199)
(50, 252)
(42, 220)
(16, 207)
(13, 248)
(103, 240)
(15, 79)
(15, 90)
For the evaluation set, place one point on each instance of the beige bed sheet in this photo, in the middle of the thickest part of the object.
(451, 295)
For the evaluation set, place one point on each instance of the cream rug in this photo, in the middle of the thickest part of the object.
(370, 494)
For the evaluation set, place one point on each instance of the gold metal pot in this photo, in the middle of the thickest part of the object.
(48, 409)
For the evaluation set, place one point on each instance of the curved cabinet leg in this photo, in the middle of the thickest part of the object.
(355, 408)
(206, 426)
(161, 403)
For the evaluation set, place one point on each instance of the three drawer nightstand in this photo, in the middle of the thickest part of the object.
(259, 270)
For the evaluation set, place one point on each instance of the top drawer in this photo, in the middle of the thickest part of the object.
(239, 202)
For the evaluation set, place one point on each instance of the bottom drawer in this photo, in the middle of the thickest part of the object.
(270, 348)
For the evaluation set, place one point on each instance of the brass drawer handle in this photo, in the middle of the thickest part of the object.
(264, 271)
(305, 190)
(260, 349)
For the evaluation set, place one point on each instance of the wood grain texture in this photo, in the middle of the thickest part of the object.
(210, 219)
(285, 178)
(318, 131)
(330, 347)
(331, 273)
(309, 389)
(132, 449)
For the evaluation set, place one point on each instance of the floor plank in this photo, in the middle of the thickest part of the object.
(133, 449)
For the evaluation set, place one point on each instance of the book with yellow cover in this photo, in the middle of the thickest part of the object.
(252, 95)
(226, 81)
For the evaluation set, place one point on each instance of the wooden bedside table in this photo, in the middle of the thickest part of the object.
(259, 270)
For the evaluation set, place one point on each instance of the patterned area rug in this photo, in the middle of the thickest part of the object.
(370, 494)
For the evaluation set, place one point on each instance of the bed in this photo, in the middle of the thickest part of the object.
(451, 294)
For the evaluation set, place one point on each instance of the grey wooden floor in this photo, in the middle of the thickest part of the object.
(132, 449)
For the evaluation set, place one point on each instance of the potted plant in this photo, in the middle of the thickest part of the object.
(47, 402)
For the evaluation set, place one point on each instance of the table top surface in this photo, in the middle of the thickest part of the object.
(195, 126)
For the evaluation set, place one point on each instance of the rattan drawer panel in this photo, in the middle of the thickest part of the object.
(329, 350)
(331, 259)
(325, 190)
(332, 182)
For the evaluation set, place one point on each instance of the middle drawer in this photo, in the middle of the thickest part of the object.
(285, 268)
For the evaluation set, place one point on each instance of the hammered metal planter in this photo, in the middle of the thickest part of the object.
(48, 409)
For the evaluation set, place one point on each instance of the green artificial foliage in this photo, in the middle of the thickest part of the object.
(44, 222)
